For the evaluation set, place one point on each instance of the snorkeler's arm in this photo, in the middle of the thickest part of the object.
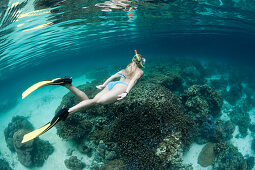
(116, 75)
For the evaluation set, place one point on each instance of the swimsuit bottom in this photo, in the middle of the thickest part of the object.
(113, 83)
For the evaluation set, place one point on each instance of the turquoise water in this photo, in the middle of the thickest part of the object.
(202, 45)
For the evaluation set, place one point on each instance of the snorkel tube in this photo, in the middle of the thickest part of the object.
(139, 59)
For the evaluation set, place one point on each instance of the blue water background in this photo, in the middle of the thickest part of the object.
(81, 38)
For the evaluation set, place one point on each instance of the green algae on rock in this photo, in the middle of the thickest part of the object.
(207, 155)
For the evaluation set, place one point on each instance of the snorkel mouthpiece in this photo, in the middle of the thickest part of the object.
(141, 61)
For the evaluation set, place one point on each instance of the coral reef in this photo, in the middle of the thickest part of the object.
(162, 115)
(145, 119)
(215, 132)
(207, 155)
(250, 162)
(233, 94)
(207, 130)
(203, 104)
(192, 72)
(253, 145)
(74, 163)
(17, 123)
(32, 153)
(223, 130)
(4, 165)
(74, 128)
(85, 149)
(228, 157)
(240, 118)
(202, 100)
(114, 164)
(173, 82)
(170, 150)
(24, 151)
(144, 122)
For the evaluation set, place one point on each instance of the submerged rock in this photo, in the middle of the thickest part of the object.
(74, 163)
(24, 151)
(85, 149)
(228, 157)
(134, 126)
(202, 100)
(4, 165)
(114, 164)
(234, 93)
(170, 150)
(17, 123)
(203, 104)
(207, 155)
(242, 119)
(146, 118)
(173, 82)
(224, 131)
(32, 153)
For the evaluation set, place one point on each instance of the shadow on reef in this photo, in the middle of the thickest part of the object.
(172, 106)
(32, 153)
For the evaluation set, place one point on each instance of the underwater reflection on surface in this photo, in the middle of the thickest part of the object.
(33, 30)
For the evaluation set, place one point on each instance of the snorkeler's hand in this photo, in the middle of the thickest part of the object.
(122, 96)
(100, 86)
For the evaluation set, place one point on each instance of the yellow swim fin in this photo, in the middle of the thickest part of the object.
(35, 133)
(57, 81)
(61, 115)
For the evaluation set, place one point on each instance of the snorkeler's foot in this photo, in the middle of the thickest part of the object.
(61, 115)
(58, 81)
(62, 81)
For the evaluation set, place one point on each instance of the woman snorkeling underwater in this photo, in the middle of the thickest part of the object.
(110, 93)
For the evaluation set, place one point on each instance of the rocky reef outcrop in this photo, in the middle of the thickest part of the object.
(4, 165)
(170, 151)
(159, 119)
(241, 119)
(74, 163)
(202, 100)
(17, 123)
(32, 153)
(228, 157)
(203, 104)
(133, 128)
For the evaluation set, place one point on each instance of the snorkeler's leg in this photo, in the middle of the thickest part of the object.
(104, 97)
(78, 93)
(89, 102)
(83, 104)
